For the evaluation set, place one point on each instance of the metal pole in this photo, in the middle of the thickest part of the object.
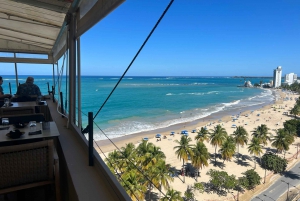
(72, 69)
(53, 94)
(16, 72)
(79, 76)
(61, 104)
(48, 88)
(53, 71)
(79, 83)
(9, 88)
(91, 137)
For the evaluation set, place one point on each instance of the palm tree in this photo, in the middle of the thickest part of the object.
(261, 132)
(228, 148)
(162, 175)
(217, 137)
(127, 157)
(201, 156)
(184, 149)
(295, 110)
(282, 140)
(255, 148)
(240, 136)
(132, 185)
(112, 161)
(172, 195)
(202, 135)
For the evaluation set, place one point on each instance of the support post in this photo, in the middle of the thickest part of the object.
(9, 88)
(91, 137)
(16, 72)
(53, 93)
(48, 88)
(61, 104)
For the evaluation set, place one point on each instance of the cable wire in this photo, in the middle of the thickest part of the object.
(153, 29)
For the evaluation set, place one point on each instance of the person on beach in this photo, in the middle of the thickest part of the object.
(28, 88)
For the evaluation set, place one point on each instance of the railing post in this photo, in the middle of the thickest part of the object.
(53, 93)
(9, 88)
(91, 137)
(61, 104)
(48, 88)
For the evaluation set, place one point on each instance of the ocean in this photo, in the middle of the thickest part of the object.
(141, 104)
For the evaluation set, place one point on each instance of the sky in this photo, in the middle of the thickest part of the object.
(195, 38)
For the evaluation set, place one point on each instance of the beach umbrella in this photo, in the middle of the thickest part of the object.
(145, 138)
(172, 133)
(233, 126)
(194, 131)
(158, 135)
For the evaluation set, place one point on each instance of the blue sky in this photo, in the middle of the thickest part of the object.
(195, 38)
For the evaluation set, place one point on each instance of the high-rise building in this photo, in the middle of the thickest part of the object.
(290, 78)
(277, 77)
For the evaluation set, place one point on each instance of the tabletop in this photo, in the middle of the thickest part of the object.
(25, 104)
(51, 132)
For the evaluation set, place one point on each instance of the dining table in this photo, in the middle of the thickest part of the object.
(41, 130)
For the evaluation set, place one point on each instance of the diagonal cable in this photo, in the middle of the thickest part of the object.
(153, 29)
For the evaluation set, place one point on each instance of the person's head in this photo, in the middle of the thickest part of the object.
(30, 80)
(1, 80)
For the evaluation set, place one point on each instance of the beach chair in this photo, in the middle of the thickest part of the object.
(29, 165)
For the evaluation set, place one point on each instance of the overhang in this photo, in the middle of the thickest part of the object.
(40, 26)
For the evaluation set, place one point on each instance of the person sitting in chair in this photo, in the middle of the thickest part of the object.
(28, 88)
(2, 95)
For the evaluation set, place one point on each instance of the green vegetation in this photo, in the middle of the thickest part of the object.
(217, 137)
(240, 136)
(202, 135)
(273, 163)
(200, 156)
(255, 148)
(262, 133)
(295, 87)
(184, 149)
(250, 180)
(292, 126)
(282, 140)
(227, 148)
(140, 168)
(172, 195)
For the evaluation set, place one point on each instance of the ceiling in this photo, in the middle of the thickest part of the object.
(37, 26)
(31, 26)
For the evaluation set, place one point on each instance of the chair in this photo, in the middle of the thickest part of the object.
(17, 98)
(17, 111)
(25, 118)
(29, 165)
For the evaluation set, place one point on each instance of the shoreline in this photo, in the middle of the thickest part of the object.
(224, 115)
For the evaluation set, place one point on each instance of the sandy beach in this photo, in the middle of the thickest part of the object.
(273, 116)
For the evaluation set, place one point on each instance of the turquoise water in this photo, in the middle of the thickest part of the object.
(147, 103)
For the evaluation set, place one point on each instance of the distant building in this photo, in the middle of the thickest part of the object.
(277, 77)
(290, 78)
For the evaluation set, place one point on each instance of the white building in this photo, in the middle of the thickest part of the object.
(277, 77)
(290, 78)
